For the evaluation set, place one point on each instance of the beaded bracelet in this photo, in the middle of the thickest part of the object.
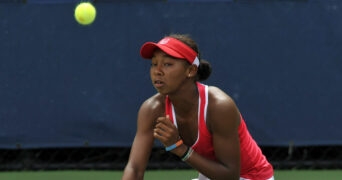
(174, 146)
(187, 155)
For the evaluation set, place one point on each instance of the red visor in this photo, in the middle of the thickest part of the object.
(172, 47)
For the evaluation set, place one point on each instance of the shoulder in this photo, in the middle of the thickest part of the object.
(219, 99)
(153, 106)
(222, 109)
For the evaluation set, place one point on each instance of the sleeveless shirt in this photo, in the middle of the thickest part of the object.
(254, 164)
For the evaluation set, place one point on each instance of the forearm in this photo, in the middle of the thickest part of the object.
(209, 168)
(132, 174)
(138, 159)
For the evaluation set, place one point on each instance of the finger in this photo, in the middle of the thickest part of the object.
(160, 120)
(158, 134)
(162, 129)
(166, 130)
(165, 120)
(161, 125)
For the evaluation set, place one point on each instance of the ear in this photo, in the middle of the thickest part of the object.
(192, 71)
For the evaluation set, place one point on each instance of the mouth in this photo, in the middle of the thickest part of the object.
(158, 83)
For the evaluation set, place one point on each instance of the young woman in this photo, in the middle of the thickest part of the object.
(201, 124)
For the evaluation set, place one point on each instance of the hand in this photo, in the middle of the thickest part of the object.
(165, 131)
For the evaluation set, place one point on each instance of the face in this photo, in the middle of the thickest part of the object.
(168, 73)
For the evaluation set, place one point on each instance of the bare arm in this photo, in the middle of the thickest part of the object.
(143, 142)
(224, 120)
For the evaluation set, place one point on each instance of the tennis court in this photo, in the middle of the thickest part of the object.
(158, 175)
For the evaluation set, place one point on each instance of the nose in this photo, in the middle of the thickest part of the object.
(158, 70)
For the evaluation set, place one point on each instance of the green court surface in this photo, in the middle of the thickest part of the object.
(158, 175)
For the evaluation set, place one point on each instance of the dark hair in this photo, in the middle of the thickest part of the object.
(204, 69)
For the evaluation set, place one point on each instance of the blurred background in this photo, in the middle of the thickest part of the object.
(69, 94)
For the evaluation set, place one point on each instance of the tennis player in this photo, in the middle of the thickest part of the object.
(200, 124)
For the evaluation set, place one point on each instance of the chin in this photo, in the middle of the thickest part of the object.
(161, 91)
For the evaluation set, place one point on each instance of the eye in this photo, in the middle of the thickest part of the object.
(153, 64)
(167, 64)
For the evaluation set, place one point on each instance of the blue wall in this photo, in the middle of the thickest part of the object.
(67, 85)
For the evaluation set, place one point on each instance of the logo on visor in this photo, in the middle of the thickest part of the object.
(164, 41)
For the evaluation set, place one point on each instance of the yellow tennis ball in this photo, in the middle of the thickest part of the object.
(85, 13)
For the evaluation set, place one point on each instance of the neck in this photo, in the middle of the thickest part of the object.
(185, 101)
